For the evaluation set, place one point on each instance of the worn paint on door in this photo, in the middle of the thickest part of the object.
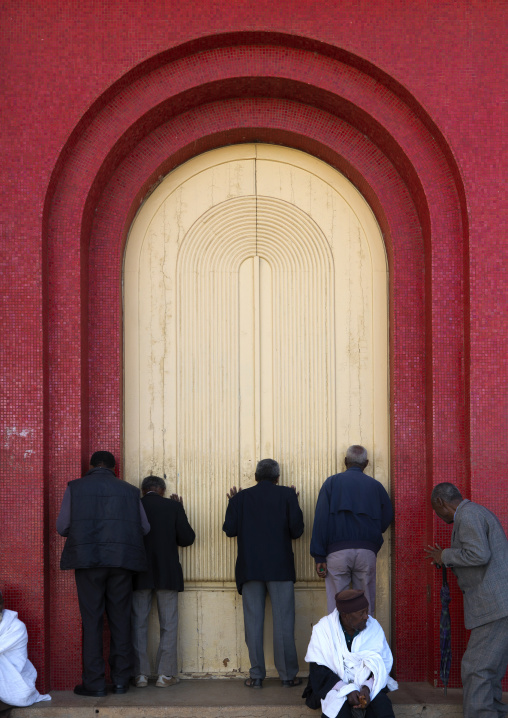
(255, 314)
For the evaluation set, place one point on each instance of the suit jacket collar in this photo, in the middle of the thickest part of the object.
(464, 501)
(459, 507)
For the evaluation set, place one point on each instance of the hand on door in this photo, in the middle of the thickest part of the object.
(175, 497)
(435, 553)
(233, 491)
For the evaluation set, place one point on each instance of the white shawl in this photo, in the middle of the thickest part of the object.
(17, 674)
(370, 653)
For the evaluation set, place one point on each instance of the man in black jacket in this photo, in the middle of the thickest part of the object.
(265, 518)
(104, 522)
(169, 529)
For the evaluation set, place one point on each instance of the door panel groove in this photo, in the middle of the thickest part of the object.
(255, 296)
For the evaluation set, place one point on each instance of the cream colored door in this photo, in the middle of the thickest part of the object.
(255, 308)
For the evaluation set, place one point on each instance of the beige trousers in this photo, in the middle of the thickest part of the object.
(351, 567)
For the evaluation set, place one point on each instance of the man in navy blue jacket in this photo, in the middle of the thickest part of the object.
(265, 518)
(352, 513)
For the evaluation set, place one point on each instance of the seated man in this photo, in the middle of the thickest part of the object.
(350, 661)
(17, 674)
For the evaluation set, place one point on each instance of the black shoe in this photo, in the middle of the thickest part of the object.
(292, 683)
(120, 688)
(253, 683)
(81, 690)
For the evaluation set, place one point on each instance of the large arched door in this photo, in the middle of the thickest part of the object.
(255, 315)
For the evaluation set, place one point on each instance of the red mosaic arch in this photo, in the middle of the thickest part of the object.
(302, 94)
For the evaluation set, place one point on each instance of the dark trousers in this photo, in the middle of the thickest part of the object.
(110, 590)
(380, 707)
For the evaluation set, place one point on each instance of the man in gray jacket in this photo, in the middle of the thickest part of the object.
(479, 558)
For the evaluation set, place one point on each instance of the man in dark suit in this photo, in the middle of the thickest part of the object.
(478, 556)
(265, 518)
(169, 529)
(104, 522)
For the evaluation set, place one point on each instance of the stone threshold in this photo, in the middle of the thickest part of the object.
(226, 699)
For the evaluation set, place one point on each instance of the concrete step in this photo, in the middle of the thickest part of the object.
(227, 699)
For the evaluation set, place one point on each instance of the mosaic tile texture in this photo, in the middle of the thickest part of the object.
(399, 123)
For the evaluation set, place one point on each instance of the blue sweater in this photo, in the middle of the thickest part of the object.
(352, 511)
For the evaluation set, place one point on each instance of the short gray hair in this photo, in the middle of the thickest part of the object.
(356, 454)
(267, 470)
(153, 483)
(446, 492)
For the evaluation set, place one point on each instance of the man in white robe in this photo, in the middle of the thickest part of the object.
(350, 661)
(17, 674)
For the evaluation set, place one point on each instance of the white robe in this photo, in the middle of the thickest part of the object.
(17, 674)
(370, 653)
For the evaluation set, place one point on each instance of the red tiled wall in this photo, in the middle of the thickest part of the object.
(425, 149)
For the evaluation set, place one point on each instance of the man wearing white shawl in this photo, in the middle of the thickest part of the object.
(350, 661)
(17, 674)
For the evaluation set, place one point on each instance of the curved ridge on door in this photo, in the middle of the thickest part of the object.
(255, 314)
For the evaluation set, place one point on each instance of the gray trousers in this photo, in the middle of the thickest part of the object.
(167, 606)
(282, 596)
(483, 668)
(355, 566)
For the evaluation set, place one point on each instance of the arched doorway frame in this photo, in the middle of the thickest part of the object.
(303, 94)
